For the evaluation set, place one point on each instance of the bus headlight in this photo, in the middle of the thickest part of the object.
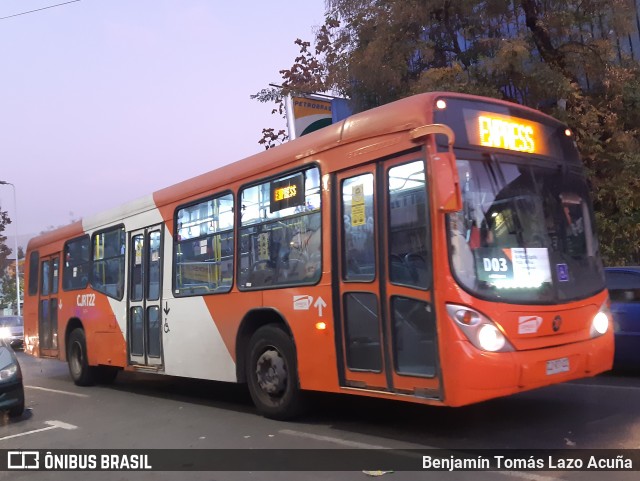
(479, 329)
(490, 338)
(600, 322)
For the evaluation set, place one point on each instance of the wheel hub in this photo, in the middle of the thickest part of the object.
(271, 372)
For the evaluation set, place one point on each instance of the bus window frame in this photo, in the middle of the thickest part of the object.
(267, 180)
(124, 278)
(186, 205)
(64, 269)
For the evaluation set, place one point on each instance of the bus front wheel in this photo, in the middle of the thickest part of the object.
(79, 368)
(272, 373)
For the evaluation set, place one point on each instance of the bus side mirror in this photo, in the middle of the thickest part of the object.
(444, 171)
(446, 182)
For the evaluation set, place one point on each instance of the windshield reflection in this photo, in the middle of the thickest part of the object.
(525, 234)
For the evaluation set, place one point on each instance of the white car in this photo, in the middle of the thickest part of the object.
(12, 330)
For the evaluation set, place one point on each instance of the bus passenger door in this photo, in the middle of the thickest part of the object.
(363, 364)
(48, 305)
(387, 323)
(144, 317)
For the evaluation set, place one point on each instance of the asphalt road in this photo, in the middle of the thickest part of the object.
(143, 411)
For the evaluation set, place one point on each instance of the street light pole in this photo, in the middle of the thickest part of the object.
(15, 223)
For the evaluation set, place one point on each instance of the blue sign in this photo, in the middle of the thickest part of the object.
(563, 272)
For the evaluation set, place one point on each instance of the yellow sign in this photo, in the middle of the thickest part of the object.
(285, 192)
(505, 132)
(357, 215)
(357, 205)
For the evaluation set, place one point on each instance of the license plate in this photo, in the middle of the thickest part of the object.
(556, 366)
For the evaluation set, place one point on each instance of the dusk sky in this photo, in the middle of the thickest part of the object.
(105, 101)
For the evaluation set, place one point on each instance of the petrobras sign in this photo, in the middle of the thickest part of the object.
(307, 114)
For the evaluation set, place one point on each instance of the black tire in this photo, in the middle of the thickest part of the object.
(81, 373)
(272, 373)
(105, 374)
(16, 411)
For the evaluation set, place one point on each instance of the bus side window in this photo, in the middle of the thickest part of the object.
(45, 278)
(203, 252)
(408, 227)
(280, 239)
(358, 228)
(75, 272)
(155, 265)
(108, 262)
(34, 260)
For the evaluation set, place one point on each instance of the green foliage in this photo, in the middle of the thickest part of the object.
(558, 57)
(8, 295)
(5, 251)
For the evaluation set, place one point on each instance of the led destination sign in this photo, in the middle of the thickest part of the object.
(287, 193)
(506, 133)
(284, 193)
(500, 131)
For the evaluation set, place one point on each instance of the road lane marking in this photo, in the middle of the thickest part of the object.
(359, 445)
(51, 425)
(68, 393)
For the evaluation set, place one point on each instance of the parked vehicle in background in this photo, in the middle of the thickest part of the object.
(12, 330)
(11, 387)
(624, 289)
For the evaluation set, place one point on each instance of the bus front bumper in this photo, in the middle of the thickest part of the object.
(476, 375)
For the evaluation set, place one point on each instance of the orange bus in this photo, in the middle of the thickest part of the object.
(440, 249)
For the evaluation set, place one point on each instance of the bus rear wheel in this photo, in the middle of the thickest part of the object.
(272, 373)
(105, 374)
(81, 373)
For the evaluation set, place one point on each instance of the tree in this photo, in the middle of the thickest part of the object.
(5, 251)
(563, 58)
(8, 280)
(305, 76)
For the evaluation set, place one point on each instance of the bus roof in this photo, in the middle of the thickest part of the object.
(398, 116)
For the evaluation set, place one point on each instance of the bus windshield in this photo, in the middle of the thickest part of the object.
(525, 234)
